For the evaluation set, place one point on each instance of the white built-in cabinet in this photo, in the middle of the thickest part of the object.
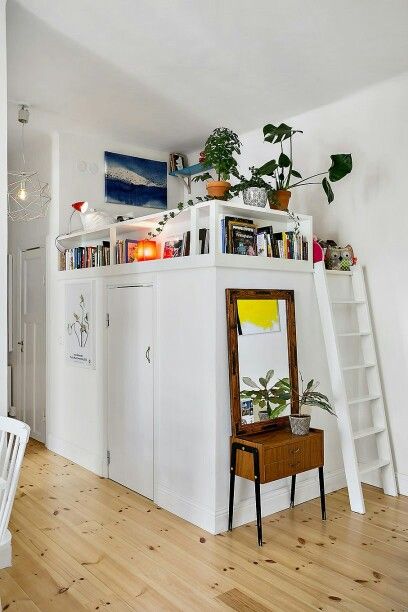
(130, 386)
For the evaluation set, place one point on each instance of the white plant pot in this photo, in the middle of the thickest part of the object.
(255, 196)
(299, 424)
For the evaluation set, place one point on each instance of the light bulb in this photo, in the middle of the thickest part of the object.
(22, 193)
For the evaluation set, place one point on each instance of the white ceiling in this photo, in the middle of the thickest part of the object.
(163, 73)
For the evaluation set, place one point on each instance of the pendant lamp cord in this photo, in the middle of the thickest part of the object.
(22, 146)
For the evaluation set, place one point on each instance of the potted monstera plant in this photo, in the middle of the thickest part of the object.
(219, 153)
(286, 177)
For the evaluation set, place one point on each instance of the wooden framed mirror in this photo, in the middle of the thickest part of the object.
(261, 330)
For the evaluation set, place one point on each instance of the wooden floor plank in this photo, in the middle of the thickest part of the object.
(81, 542)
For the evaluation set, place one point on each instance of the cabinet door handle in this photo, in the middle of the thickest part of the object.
(148, 354)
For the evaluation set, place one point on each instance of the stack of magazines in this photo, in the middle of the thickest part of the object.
(242, 237)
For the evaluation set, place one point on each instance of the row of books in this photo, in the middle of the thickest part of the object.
(241, 237)
(179, 246)
(85, 257)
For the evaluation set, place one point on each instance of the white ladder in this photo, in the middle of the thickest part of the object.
(330, 306)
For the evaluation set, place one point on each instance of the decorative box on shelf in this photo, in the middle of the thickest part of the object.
(205, 224)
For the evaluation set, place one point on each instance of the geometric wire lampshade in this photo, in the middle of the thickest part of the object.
(28, 197)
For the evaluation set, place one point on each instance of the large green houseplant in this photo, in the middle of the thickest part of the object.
(219, 151)
(284, 175)
(274, 397)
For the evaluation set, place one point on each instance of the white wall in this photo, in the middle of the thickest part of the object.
(3, 210)
(82, 171)
(369, 212)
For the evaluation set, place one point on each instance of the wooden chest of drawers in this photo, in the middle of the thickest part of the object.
(281, 454)
(268, 456)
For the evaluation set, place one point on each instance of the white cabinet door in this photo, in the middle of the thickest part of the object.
(130, 387)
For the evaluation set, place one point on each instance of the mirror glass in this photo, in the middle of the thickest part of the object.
(262, 357)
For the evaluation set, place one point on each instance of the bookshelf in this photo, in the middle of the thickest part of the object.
(206, 215)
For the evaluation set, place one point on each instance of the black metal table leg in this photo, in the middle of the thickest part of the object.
(292, 491)
(257, 495)
(257, 480)
(322, 497)
(232, 485)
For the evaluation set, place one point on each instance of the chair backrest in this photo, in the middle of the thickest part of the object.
(13, 440)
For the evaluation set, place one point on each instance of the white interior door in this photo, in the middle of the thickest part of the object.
(32, 341)
(130, 387)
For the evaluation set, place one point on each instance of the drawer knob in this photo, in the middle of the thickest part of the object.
(294, 450)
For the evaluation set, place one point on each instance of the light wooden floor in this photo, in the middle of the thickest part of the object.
(85, 543)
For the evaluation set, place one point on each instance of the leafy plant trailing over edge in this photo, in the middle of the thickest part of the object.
(282, 171)
(255, 180)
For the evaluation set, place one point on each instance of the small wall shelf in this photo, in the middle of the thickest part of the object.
(185, 174)
(206, 215)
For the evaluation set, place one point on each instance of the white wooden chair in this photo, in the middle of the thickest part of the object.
(13, 440)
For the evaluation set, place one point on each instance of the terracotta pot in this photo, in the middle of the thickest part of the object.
(218, 189)
(299, 424)
(279, 200)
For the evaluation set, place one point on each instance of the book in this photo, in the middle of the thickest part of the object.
(130, 250)
(186, 244)
(268, 231)
(225, 224)
(242, 238)
(261, 244)
(203, 240)
(173, 247)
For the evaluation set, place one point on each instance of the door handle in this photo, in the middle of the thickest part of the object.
(148, 354)
(21, 345)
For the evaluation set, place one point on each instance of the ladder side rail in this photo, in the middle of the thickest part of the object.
(340, 399)
(379, 412)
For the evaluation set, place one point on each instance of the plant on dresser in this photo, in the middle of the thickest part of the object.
(279, 394)
(308, 396)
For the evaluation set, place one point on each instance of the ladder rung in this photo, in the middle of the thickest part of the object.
(339, 272)
(351, 334)
(369, 431)
(348, 301)
(363, 468)
(360, 400)
(359, 367)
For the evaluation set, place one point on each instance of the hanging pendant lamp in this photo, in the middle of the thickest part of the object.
(28, 197)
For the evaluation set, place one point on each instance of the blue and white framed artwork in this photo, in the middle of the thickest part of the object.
(135, 181)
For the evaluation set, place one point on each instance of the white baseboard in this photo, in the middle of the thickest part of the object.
(82, 457)
(403, 483)
(198, 515)
(5, 551)
(244, 512)
(279, 499)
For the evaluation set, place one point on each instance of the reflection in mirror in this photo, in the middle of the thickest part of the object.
(263, 362)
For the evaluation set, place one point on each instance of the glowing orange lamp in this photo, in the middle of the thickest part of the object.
(146, 249)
